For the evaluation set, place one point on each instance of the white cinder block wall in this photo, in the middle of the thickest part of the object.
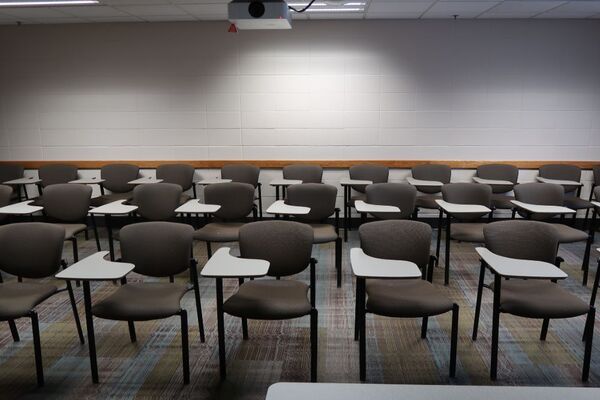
(377, 89)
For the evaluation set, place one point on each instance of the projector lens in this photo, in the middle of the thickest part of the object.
(256, 9)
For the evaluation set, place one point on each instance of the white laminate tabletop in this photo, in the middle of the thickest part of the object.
(357, 391)
(491, 182)
(349, 182)
(116, 208)
(540, 209)
(23, 181)
(223, 265)
(515, 268)
(279, 207)
(195, 207)
(22, 208)
(96, 268)
(596, 204)
(88, 181)
(453, 208)
(363, 207)
(558, 181)
(285, 182)
(419, 182)
(144, 181)
(365, 266)
(212, 181)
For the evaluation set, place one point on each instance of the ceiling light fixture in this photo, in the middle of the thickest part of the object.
(46, 3)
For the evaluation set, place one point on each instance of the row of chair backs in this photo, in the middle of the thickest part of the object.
(66, 202)
(468, 193)
(562, 172)
(236, 199)
(305, 173)
(319, 197)
(400, 195)
(431, 172)
(501, 172)
(243, 173)
(369, 172)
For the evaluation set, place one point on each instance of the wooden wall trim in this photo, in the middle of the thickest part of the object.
(200, 164)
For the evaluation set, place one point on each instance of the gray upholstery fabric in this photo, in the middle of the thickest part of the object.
(405, 298)
(358, 196)
(53, 174)
(576, 203)
(431, 172)
(526, 240)
(411, 240)
(539, 299)
(269, 299)
(305, 173)
(157, 201)
(220, 232)
(117, 176)
(141, 302)
(72, 229)
(468, 193)
(547, 194)
(400, 195)
(10, 172)
(287, 245)
(319, 197)
(67, 202)
(502, 172)
(564, 172)
(157, 248)
(178, 174)
(243, 173)
(471, 232)
(596, 171)
(427, 201)
(31, 249)
(323, 233)
(17, 299)
(6, 193)
(369, 172)
(567, 234)
(236, 199)
(597, 193)
(502, 202)
(109, 198)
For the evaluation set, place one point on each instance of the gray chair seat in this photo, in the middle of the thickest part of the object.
(427, 201)
(468, 232)
(405, 298)
(359, 196)
(219, 232)
(17, 299)
(109, 198)
(72, 229)
(324, 233)
(269, 300)
(539, 299)
(577, 203)
(567, 234)
(502, 201)
(141, 302)
(184, 198)
(38, 201)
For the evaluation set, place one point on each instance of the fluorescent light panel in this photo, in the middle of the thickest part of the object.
(46, 3)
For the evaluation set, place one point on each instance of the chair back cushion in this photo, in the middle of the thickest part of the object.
(5, 196)
(157, 201)
(53, 174)
(544, 194)
(501, 172)
(179, 174)
(10, 172)
(319, 197)
(527, 240)
(303, 172)
(67, 202)
(369, 172)
(468, 193)
(400, 195)
(431, 172)
(562, 172)
(236, 199)
(244, 173)
(117, 176)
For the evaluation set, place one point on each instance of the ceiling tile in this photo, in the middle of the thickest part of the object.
(520, 9)
(169, 18)
(573, 9)
(464, 9)
(203, 9)
(128, 18)
(399, 7)
(93, 11)
(153, 10)
(33, 12)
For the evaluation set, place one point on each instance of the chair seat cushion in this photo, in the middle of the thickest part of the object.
(324, 233)
(141, 302)
(405, 298)
(358, 196)
(534, 298)
(468, 232)
(109, 198)
(427, 201)
(577, 203)
(567, 234)
(184, 198)
(219, 232)
(17, 299)
(269, 299)
(502, 201)
(72, 229)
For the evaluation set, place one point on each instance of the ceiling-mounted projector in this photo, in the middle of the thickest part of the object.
(256, 14)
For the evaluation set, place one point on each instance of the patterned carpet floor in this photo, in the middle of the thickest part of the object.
(279, 350)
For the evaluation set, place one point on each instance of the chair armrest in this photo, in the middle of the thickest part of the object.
(517, 268)
(541, 209)
(420, 182)
(96, 268)
(453, 208)
(224, 265)
(363, 207)
(279, 207)
(364, 266)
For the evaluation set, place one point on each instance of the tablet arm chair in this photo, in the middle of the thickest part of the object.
(305, 173)
(52, 175)
(399, 195)
(430, 172)
(368, 172)
(116, 178)
(9, 173)
(6, 193)
(245, 173)
(179, 174)
(500, 172)
(157, 201)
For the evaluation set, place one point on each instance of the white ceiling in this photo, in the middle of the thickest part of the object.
(194, 10)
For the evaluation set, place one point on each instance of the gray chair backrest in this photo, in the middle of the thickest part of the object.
(53, 174)
(303, 172)
(243, 173)
(287, 245)
(544, 194)
(468, 193)
(596, 171)
(527, 240)
(369, 172)
(67, 202)
(431, 172)
(397, 240)
(157, 201)
(10, 172)
(157, 249)
(564, 172)
(5, 196)
(501, 172)
(597, 193)
(236, 199)
(400, 195)
(319, 197)
(31, 249)
(179, 174)
(117, 176)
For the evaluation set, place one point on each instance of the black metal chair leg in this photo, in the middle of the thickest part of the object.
(454, 340)
(362, 343)
(588, 345)
(424, 328)
(495, 328)
(244, 320)
(208, 250)
(37, 348)
(185, 348)
(478, 304)
(75, 250)
(13, 330)
(75, 313)
(544, 332)
(585, 267)
(439, 238)
(132, 335)
(194, 276)
(95, 228)
(221, 328)
(447, 254)
(314, 338)
(338, 260)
